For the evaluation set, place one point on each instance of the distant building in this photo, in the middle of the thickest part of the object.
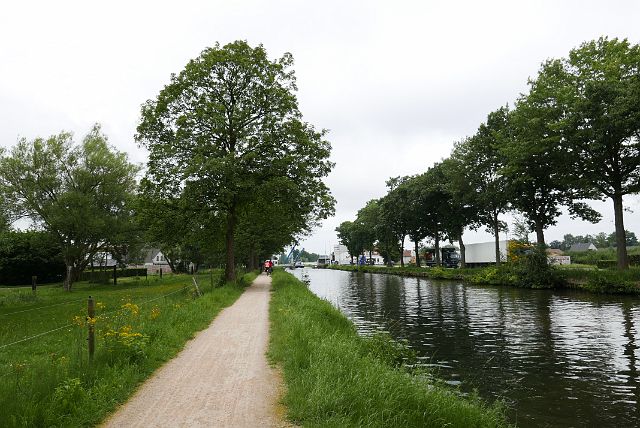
(554, 252)
(408, 256)
(155, 260)
(341, 255)
(584, 246)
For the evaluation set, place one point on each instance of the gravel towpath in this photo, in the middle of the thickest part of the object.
(220, 379)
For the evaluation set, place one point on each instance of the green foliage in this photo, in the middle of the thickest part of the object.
(67, 394)
(225, 140)
(602, 125)
(535, 162)
(24, 254)
(479, 161)
(634, 260)
(534, 271)
(614, 282)
(80, 194)
(336, 378)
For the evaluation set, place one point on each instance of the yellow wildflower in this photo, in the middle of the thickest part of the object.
(79, 321)
(155, 312)
(131, 307)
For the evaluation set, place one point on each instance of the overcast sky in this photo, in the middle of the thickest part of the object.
(395, 83)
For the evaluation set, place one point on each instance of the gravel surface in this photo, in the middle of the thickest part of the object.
(220, 379)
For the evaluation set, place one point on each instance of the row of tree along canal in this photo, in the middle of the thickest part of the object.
(572, 137)
(557, 358)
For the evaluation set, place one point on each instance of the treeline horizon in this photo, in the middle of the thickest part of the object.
(574, 136)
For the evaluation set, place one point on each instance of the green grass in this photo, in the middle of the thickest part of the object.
(592, 257)
(336, 378)
(49, 381)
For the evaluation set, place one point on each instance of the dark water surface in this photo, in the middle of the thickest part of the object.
(557, 358)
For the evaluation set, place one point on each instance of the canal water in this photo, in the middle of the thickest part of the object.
(556, 358)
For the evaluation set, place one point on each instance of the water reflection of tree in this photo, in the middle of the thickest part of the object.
(630, 351)
(516, 344)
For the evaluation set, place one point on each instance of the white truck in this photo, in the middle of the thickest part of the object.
(484, 253)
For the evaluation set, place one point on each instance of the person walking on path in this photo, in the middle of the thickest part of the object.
(220, 379)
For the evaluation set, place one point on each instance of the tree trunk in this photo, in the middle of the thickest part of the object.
(437, 248)
(230, 268)
(69, 277)
(402, 252)
(417, 253)
(496, 233)
(253, 259)
(621, 239)
(540, 235)
(463, 260)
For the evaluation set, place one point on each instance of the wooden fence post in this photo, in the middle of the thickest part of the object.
(115, 276)
(91, 313)
(160, 273)
(196, 284)
(34, 283)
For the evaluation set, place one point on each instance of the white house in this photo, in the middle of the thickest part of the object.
(155, 260)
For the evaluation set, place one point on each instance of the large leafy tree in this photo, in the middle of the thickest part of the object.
(227, 127)
(481, 161)
(81, 194)
(602, 129)
(461, 211)
(396, 212)
(349, 237)
(367, 220)
(417, 212)
(539, 180)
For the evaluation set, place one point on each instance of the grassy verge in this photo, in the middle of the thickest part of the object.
(336, 378)
(49, 381)
(582, 277)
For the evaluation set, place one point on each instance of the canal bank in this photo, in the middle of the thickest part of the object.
(335, 377)
(557, 358)
(591, 279)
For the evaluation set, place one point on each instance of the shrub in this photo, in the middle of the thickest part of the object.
(68, 393)
(24, 254)
(605, 283)
(634, 260)
(105, 276)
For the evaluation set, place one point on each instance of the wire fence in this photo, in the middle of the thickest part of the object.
(42, 307)
(25, 339)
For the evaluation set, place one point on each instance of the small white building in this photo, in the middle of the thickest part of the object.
(155, 260)
(341, 255)
(408, 256)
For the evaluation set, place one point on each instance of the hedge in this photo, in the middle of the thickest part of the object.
(634, 260)
(107, 275)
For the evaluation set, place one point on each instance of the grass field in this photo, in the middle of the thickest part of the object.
(336, 378)
(46, 378)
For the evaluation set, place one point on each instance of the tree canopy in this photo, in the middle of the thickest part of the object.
(81, 194)
(226, 130)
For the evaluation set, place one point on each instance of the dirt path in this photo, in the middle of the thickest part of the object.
(220, 379)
